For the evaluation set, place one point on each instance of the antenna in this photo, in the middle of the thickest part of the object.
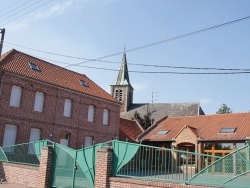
(152, 104)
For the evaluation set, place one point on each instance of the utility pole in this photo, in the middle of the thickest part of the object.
(2, 31)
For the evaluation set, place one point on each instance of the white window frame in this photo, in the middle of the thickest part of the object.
(15, 96)
(91, 113)
(67, 108)
(105, 120)
(39, 101)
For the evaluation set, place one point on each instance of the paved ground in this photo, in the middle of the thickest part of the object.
(12, 185)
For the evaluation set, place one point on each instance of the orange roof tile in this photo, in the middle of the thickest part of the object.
(18, 63)
(129, 130)
(206, 127)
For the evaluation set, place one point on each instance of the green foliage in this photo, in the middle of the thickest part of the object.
(145, 121)
(224, 109)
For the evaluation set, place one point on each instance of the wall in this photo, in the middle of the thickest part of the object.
(137, 183)
(21, 174)
(51, 121)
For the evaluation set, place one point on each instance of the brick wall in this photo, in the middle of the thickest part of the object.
(21, 174)
(136, 183)
(51, 121)
(32, 176)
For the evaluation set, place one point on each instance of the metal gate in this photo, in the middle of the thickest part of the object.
(73, 168)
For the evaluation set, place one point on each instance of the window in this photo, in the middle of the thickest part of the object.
(64, 158)
(38, 105)
(227, 130)
(9, 137)
(15, 96)
(34, 136)
(91, 112)
(118, 94)
(162, 132)
(83, 83)
(33, 66)
(88, 141)
(64, 139)
(67, 108)
(105, 116)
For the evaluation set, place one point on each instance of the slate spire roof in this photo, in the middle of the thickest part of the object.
(123, 76)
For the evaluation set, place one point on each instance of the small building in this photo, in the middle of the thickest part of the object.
(39, 100)
(122, 90)
(215, 135)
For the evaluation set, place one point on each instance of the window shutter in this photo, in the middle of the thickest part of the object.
(9, 136)
(39, 99)
(91, 113)
(88, 141)
(15, 96)
(67, 108)
(105, 116)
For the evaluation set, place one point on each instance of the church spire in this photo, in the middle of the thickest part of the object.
(123, 76)
(121, 89)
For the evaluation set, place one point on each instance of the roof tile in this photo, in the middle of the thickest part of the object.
(18, 63)
(206, 127)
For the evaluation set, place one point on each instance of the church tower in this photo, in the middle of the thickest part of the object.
(121, 89)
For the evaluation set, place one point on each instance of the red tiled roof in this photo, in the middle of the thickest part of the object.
(206, 127)
(18, 63)
(129, 130)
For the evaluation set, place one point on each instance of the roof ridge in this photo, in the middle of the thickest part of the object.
(200, 116)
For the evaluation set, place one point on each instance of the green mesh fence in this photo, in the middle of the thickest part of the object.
(230, 171)
(149, 162)
(27, 153)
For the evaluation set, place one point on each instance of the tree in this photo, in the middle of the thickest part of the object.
(145, 121)
(224, 109)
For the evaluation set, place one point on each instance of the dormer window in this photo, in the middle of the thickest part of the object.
(83, 83)
(161, 132)
(33, 66)
(228, 130)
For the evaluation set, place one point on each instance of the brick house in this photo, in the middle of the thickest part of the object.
(39, 100)
(210, 134)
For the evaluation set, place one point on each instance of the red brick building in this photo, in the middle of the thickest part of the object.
(39, 100)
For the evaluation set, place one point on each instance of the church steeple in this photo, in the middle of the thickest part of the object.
(121, 89)
(123, 76)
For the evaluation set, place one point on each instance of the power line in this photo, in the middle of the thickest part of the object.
(27, 12)
(134, 64)
(152, 72)
(15, 8)
(178, 37)
(4, 9)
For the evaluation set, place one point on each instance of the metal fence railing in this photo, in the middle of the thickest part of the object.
(149, 162)
(233, 170)
(27, 153)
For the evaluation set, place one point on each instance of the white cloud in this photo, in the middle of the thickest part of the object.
(43, 14)
(56, 9)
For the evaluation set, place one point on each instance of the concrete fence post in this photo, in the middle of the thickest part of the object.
(45, 167)
(103, 168)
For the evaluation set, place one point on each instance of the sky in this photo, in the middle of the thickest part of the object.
(91, 29)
